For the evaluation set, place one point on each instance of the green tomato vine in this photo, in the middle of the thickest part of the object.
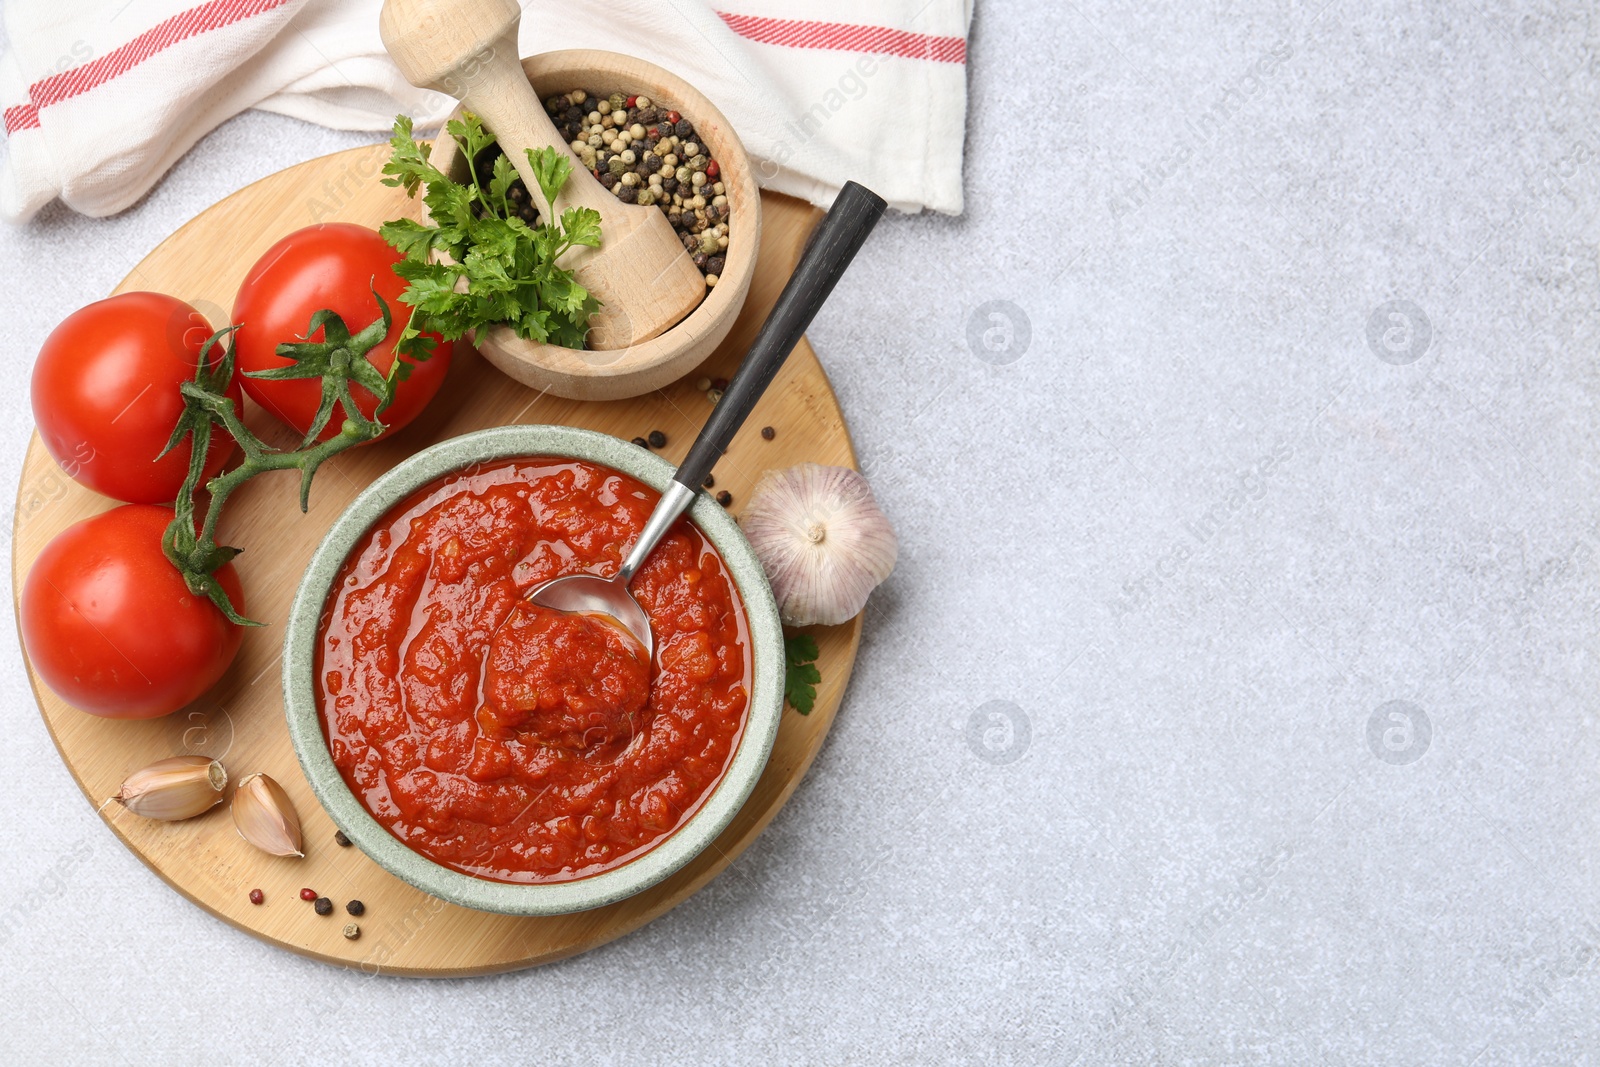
(340, 360)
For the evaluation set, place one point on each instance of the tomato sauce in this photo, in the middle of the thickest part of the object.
(509, 741)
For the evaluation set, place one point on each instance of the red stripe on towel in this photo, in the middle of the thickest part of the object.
(845, 37)
(178, 28)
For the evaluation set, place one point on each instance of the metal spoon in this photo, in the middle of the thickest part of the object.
(832, 246)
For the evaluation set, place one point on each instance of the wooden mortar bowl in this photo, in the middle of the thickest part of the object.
(582, 374)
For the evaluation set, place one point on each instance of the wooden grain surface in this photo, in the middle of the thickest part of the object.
(241, 721)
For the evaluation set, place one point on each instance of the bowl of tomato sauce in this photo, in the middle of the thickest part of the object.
(502, 756)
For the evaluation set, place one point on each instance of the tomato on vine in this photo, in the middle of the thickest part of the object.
(105, 395)
(345, 269)
(113, 628)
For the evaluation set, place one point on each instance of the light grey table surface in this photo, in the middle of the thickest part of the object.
(1235, 698)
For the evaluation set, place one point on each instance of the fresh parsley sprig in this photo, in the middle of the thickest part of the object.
(801, 676)
(474, 268)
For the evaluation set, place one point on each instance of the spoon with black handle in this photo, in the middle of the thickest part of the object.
(835, 242)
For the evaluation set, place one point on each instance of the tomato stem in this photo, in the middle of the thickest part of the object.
(338, 360)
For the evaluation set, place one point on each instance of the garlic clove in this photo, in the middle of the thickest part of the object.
(822, 540)
(265, 817)
(179, 787)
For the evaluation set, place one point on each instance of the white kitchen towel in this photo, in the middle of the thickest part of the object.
(99, 97)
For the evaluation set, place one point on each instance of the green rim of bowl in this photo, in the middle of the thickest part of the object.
(454, 887)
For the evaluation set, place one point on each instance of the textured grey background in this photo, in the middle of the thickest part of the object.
(1119, 777)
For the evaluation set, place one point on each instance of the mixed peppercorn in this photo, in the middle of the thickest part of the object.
(324, 905)
(645, 155)
(651, 155)
(713, 388)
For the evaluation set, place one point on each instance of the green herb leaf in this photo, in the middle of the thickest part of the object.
(505, 176)
(582, 225)
(801, 677)
(408, 164)
(415, 346)
(469, 133)
(564, 294)
(481, 264)
(408, 236)
(551, 169)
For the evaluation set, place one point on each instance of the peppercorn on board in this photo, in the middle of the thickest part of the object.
(240, 722)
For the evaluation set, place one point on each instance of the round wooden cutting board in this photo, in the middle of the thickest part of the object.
(241, 721)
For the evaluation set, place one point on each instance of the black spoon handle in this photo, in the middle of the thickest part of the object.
(837, 239)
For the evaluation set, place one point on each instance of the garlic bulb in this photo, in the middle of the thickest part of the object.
(821, 539)
(265, 817)
(180, 787)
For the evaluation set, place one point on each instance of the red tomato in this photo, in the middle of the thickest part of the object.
(105, 395)
(333, 265)
(110, 625)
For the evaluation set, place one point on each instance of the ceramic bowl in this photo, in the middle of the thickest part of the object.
(305, 720)
(642, 368)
